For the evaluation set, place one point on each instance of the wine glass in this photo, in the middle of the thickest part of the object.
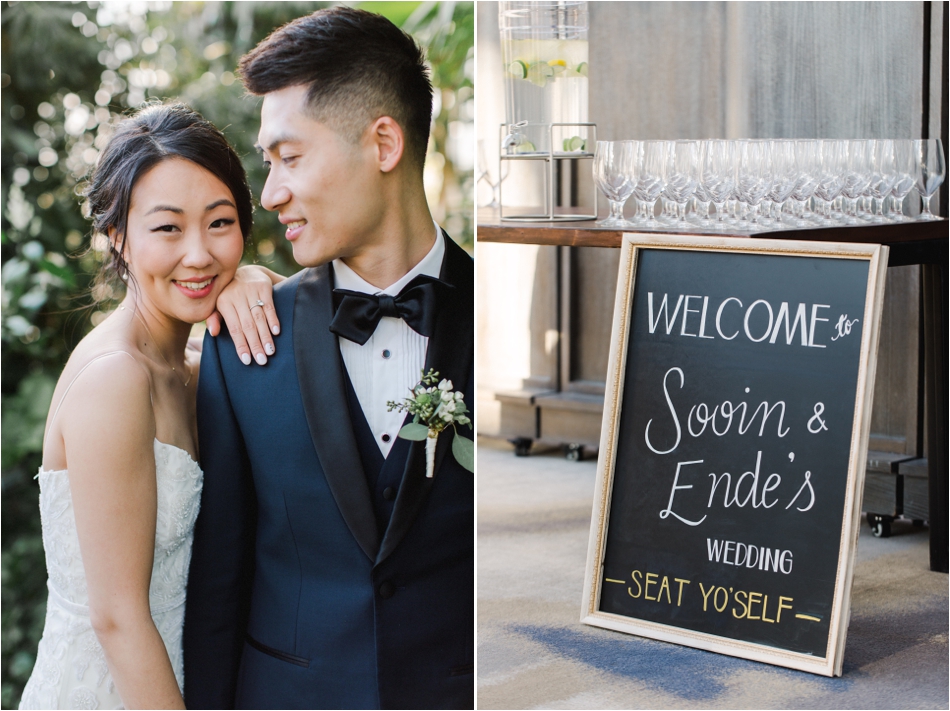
(883, 176)
(905, 161)
(807, 169)
(614, 163)
(753, 174)
(667, 206)
(857, 177)
(931, 170)
(702, 199)
(488, 171)
(718, 175)
(683, 175)
(653, 164)
(784, 174)
(833, 162)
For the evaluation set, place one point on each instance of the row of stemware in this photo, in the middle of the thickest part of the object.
(799, 182)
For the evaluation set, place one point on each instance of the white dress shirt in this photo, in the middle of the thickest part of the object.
(390, 363)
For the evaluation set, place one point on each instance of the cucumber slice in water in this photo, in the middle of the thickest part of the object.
(538, 73)
(526, 147)
(582, 69)
(574, 143)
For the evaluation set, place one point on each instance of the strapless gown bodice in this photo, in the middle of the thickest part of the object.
(70, 670)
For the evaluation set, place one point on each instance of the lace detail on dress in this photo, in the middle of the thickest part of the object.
(71, 670)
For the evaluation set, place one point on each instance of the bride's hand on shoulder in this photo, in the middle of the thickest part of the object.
(246, 306)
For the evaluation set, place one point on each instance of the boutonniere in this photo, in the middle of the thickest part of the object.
(434, 407)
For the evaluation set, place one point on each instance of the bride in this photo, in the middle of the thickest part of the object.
(120, 484)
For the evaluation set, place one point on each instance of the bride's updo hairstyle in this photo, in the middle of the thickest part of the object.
(154, 134)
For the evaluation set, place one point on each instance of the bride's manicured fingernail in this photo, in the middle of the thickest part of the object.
(246, 359)
(269, 349)
(261, 359)
(275, 329)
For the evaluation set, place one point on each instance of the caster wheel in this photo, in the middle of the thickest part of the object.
(880, 525)
(574, 452)
(522, 446)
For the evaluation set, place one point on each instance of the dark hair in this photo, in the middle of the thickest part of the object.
(154, 134)
(359, 66)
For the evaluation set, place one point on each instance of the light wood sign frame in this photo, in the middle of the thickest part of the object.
(605, 601)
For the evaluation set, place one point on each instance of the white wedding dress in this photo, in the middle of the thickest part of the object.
(71, 670)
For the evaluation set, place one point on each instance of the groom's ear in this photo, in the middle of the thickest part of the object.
(388, 141)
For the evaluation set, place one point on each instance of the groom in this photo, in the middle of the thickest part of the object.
(328, 571)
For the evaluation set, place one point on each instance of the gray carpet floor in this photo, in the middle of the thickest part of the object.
(533, 524)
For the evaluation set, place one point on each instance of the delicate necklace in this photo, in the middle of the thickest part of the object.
(148, 331)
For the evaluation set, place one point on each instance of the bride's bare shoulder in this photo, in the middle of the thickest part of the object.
(102, 402)
(106, 370)
(112, 336)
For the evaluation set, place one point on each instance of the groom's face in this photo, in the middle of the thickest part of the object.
(324, 187)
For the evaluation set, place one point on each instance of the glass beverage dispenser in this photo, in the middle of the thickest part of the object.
(544, 52)
(544, 55)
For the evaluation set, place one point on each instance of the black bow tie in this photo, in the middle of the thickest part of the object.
(358, 314)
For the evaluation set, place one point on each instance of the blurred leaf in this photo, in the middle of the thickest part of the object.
(395, 12)
(21, 665)
(24, 417)
(14, 270)
(33, 250)
(63, 273)
(18, 325)
(33, 299)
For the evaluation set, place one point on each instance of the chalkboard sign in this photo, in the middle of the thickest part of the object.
(735, 433)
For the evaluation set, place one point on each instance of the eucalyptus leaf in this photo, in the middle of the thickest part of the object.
(414, 431)
(464, 451)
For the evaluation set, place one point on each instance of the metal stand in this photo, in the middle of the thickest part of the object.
(550, 185)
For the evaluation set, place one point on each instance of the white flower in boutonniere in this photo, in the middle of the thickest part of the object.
(434, 407)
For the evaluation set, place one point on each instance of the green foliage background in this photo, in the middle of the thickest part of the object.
(70, 70)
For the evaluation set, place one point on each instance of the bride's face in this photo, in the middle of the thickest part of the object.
(183, 241)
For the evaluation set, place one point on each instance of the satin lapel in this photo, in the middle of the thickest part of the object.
(450, 352)
(320, 376)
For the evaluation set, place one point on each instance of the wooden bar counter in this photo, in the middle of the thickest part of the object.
(913, 242)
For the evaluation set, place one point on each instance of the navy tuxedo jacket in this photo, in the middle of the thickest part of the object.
(296, 599)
